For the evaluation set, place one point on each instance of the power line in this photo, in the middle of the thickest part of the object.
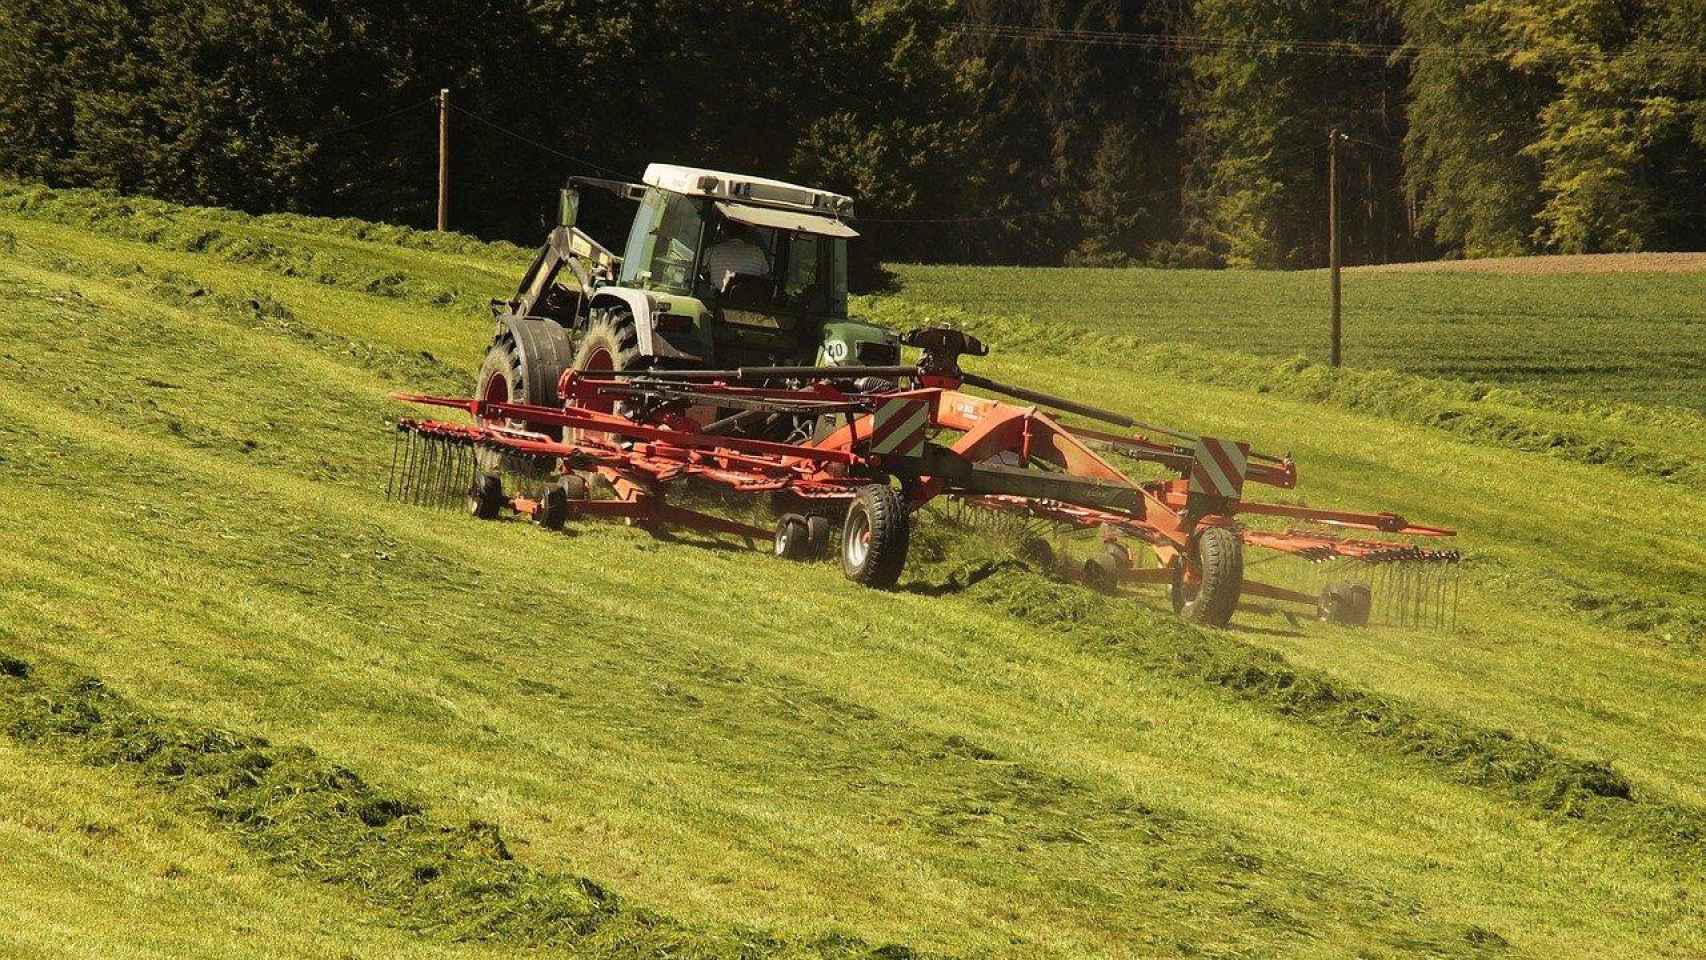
(1188, 42)
(1370, 143)
(1345, 49)
(534, 143)
(372, 120)
(989, 218)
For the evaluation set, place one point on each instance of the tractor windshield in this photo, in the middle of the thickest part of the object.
(663, 243)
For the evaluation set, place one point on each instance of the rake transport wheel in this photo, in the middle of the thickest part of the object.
(1346, 604)
(553, 509)
(874, 537)
(793, 538)
(522, 365)
(817, 534)
(1219, 554)
(486, 496)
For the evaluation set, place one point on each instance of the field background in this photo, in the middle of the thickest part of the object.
(475, 737)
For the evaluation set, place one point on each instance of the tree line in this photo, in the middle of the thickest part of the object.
(1172, 132)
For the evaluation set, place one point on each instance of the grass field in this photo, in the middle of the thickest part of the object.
(1638, 335)
(329, 725)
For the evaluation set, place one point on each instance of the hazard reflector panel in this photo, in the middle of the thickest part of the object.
(899, 427)
(1219, 467)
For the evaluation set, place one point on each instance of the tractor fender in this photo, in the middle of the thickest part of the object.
(652, 343)
(546, 350)
(639, 303)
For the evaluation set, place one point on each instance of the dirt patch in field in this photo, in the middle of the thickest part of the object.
(1568, 263)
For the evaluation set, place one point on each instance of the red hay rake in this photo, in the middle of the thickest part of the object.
(847, 447)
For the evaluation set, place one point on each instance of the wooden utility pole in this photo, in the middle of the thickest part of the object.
(444, 163)
(1333, 355)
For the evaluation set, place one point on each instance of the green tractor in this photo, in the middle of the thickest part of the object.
(719, 271)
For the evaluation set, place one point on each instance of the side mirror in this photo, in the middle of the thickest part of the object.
(568, 206)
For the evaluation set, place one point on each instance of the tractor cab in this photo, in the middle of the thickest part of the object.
(760, 265)
(718, 271)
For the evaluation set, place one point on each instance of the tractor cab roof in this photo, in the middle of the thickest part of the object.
(739, 189)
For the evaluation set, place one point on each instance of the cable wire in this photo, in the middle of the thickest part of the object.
(1349, 49)
(534, 143)
(373, 120)
(988, 218)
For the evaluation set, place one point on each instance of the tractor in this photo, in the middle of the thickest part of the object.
(718, 269)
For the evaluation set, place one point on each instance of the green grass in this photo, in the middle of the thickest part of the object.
(712, 752)
(1605, 337)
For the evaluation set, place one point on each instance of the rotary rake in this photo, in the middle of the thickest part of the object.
(866, 447)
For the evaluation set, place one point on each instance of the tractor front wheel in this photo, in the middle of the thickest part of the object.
(1209, 599)
(508, 376)
(874, 537)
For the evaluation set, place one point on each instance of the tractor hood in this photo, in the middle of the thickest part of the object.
(775, 219)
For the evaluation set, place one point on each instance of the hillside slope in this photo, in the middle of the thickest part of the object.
(327, 724)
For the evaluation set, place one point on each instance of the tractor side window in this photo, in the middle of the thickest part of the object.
(663, 242)
(803, 270)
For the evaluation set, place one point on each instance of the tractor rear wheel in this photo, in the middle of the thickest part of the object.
(874, 537)
(1218, 553)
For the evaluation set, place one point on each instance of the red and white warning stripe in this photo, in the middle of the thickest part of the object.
(899, 427)
(1219, 467)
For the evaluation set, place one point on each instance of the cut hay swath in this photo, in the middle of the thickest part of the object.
(870, 458)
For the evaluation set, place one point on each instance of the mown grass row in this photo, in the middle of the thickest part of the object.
(280, 243)
(1539, 777)
(322, 822)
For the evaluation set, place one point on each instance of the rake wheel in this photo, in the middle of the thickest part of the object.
(874, 537)
(1218, 554)
(486, 496)
(1347, 604)
(793, 538)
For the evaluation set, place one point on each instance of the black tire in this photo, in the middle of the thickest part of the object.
(793, 538)
(553, 510)
(512, 374)
(611, 342)
(1346, 604)
(486, 496)
(817, 534)
(1102, 573)
(1219, 555)
(874, 537)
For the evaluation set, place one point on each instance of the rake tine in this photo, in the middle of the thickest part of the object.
(431, 470)
(449, 474)
(410, 456)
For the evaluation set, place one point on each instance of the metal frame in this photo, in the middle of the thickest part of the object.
(1059, 477)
